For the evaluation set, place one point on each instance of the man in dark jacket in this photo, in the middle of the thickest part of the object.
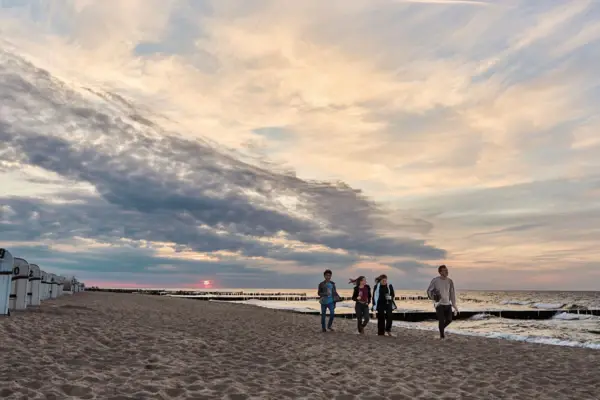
(328, 296)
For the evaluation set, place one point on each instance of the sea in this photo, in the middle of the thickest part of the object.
(564, 329)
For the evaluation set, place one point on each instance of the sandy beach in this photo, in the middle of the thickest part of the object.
(125, 346)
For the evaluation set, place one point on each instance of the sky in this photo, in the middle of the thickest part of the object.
(162, 143)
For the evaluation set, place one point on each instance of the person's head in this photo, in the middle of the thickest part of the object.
(443, 271)
(360, 281)
(327, 274)
(382, 279)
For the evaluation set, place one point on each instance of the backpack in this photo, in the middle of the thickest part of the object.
(434, 295)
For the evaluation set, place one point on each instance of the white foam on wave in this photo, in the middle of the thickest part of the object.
(273, 305)
(505, 336)
(565, 316)
(544, 306)
(548, 306)
(481, 317)
(515, 302)
(344, 305)
(341, 308)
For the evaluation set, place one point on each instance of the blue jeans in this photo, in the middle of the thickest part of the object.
(324, 307)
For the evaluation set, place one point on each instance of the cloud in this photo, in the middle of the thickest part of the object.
(182, 178)
(127, 266)
(351, 131)
(161, 188)
(447, 2)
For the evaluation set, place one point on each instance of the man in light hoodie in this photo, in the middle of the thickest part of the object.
(441, 291)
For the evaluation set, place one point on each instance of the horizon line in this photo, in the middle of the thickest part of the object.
(349, 288)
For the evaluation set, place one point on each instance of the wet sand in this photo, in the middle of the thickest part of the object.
(125, 346)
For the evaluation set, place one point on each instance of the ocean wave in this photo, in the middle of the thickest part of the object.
(504, 336)
(541, 305)
(564, 316)
(576, 306)
(269, 304)
(481, 317)
(548, 306)
(533, 304)
(472, 300)
(516, 302)
(540, 340)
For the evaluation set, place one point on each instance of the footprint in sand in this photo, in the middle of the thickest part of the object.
(75, 390)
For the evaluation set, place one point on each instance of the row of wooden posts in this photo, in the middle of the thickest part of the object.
(25, 285)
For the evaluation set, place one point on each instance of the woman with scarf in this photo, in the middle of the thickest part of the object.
(362, 297)
(384, 304)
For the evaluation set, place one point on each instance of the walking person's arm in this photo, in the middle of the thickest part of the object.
(453, 296)
(336, 296)
(430, 288)
(374, 297)
(355, 294)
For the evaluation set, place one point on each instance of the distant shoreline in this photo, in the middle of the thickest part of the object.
(97, 288)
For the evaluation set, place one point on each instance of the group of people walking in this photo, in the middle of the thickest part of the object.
(382, 301)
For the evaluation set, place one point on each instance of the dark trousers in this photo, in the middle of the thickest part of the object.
(324, 308)
(384, 319)
(444, 316)
(362, 315)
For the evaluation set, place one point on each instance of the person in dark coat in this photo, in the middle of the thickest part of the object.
(362, 297)
(384, 303)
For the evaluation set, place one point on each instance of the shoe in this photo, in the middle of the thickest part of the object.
(389, 334)
(331, 329)
(324, 330)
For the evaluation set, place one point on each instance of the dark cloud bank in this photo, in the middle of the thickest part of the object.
(159, 187)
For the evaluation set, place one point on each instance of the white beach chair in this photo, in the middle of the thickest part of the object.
(20, 282)
(68, 287)
(6, 271)
(53, 287)
(35, 278)
(75, 285)
(44, 286)
(61, 285)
